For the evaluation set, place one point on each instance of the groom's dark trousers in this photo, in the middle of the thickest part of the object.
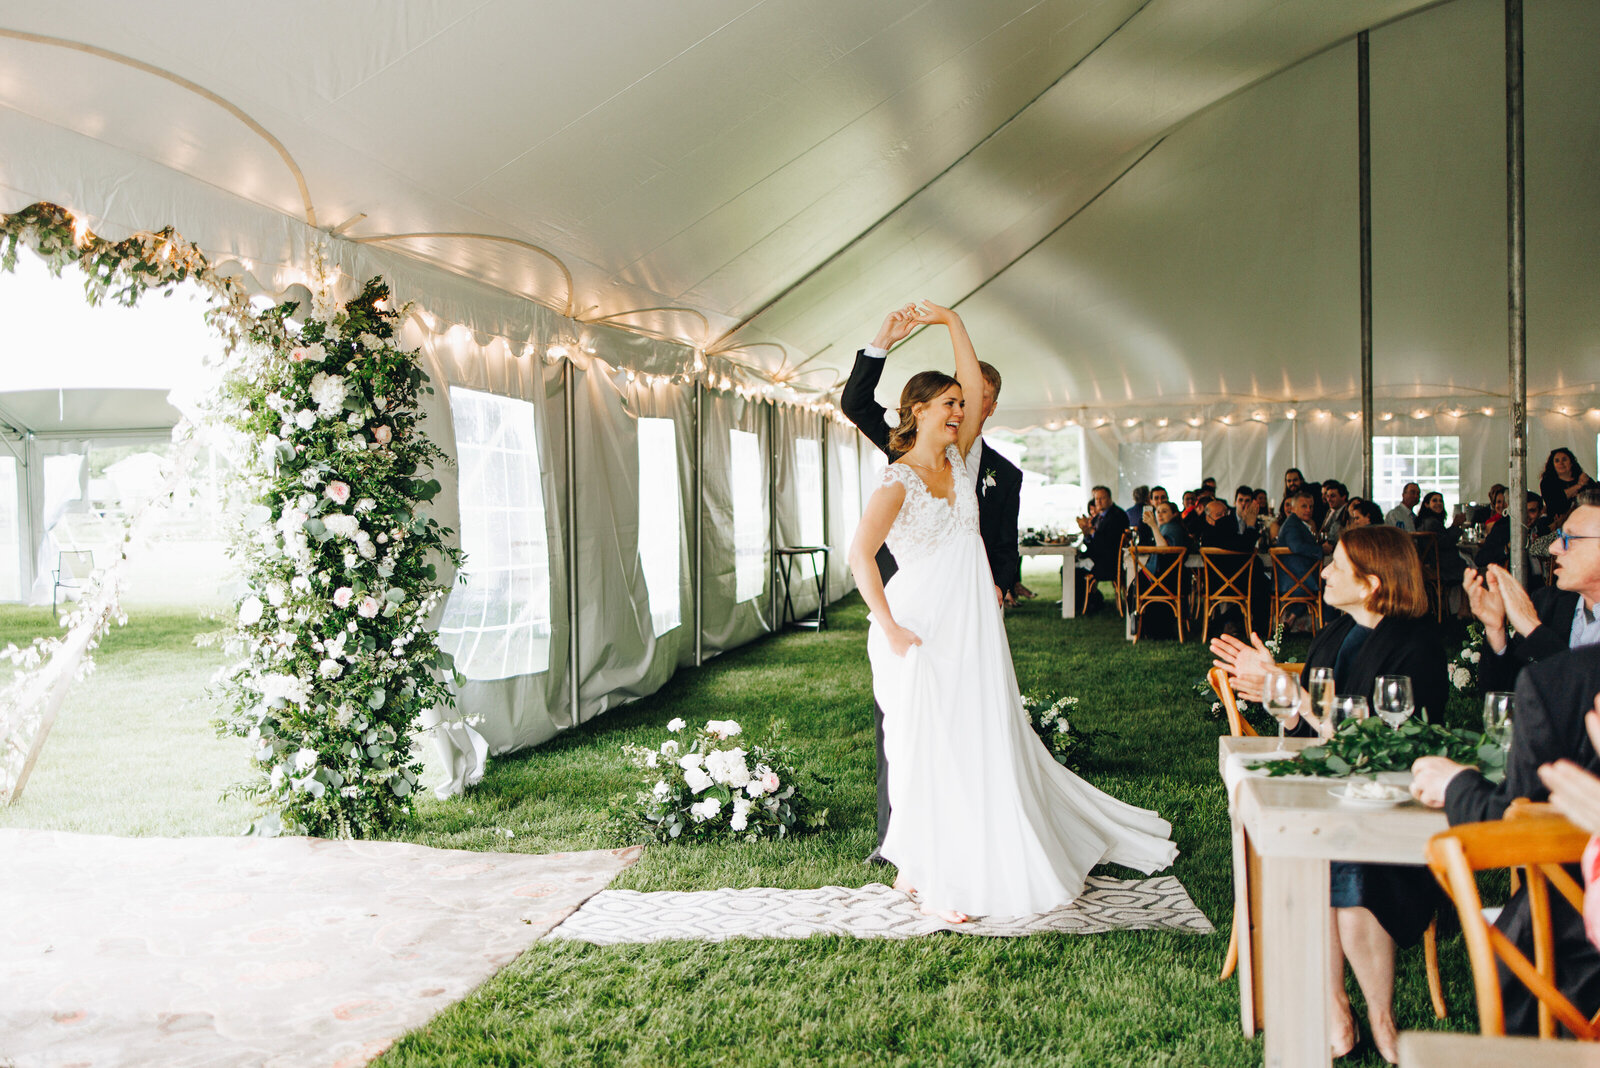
(997, 517)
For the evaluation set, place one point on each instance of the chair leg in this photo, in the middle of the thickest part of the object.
(1231, 961)
(1430, 955)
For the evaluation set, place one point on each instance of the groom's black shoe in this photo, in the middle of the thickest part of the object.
(877, 859)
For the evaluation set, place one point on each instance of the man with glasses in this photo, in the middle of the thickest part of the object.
(1563, 615)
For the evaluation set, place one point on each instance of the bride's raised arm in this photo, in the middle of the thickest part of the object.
(968, 373)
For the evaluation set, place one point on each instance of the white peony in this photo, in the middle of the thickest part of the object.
(329, 393)
(676, 725)
(669, 748)
(728, 767)
(340, 525)
(289, 688)
(708, 809)
(722, 728)
(305, 419)
(250, 611)
(330, 669)
(697, 780)
(661, 790)
(690, 760)
(741, 814)
(305, 760)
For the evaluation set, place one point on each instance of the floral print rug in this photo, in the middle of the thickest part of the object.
(249, 951)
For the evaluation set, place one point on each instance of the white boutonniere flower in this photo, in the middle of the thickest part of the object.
(988, 480)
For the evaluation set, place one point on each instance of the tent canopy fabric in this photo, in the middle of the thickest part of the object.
(1141, 203)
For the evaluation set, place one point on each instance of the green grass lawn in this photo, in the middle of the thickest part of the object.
(133, 755)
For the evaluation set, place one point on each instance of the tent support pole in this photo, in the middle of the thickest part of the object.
(772, 513)
(570, 404)
(1516, 293)
(1364, 137)
(699, 522)
(827, 517)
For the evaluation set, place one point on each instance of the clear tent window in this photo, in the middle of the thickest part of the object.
(497, 625)
(749, 516)
(660, 530)
(1433, 463)
(808, 484)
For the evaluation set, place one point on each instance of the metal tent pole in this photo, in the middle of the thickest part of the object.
(1516, 291)
(1364, 137)
(570, 405)
(772, 513)
(699, 521)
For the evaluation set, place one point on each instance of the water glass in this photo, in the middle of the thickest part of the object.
(1392, 699)
(1349, 706)
(1280, 694)
(1320, 686)
(1497, 708)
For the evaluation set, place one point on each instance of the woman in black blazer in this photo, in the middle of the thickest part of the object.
(1375, 577)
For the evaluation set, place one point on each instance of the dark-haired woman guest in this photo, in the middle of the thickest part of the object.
(1376, 579)
(1562, 481)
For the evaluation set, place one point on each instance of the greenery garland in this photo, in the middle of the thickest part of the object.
(337, 662)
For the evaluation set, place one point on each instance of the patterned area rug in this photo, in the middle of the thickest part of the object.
(871, 911)
(245, 951)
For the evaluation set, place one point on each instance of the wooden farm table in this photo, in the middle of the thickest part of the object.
(1069, 563)
(1294, 828)
(1442, 1049)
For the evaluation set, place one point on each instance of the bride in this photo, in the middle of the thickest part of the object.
(985, 821)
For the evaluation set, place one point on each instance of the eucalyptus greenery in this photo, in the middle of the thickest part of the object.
(1061, 725)
(1368, 746)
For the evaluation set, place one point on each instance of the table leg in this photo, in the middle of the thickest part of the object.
(1069, 585)
(1294, 933)
(1244, 925)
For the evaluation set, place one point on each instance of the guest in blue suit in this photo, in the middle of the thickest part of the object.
(1305, 552)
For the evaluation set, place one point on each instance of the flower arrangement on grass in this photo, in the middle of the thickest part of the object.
(336, 662)
(1057, 722)
(1463, 668)
(708, 786)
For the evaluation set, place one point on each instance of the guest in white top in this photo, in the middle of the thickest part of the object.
(1404, 514)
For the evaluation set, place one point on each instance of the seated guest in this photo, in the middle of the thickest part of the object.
(1432, 519)
(1263, 504)
(1376, 580)
(1295, 535)
(1496, 509)
(1562, 615)
(1141, 498)
(1158, 495)
(1245, 514)
(1220, 530)
(1496, 548)
(1293, 482)
(1196, 518)
(1551, 699)
(1103, 529)
(1563, 479)
(1404, 514)
(1337, 497)
(1363, 513)
(1161, 527)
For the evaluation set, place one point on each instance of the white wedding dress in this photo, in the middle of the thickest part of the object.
(984, 821)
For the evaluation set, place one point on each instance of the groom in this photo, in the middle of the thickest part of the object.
(999, 485)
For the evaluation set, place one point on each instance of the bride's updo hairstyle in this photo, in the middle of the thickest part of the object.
(922, 388)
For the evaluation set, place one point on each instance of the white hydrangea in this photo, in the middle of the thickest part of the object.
(329, 392)
(697, 780)
(289, 688)
(728, 767)
(341, 525)
(305, 760)
(708, 809)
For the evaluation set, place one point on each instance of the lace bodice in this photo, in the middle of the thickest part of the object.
(926, 522)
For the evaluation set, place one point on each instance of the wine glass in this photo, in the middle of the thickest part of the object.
(1497, 707)
(1349, 706)
(1392, 699)
(1320, 686)
(1280, 694)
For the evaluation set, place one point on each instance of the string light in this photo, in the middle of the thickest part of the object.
(1291, 414)
(1488, 411)
(1130, 422)
(1162, 422)
(1386, 416)
(1193, 420)
(1352, 416)
(1420, 413)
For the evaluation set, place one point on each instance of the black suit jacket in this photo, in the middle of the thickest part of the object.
(997, 504)
(1551, 636)
(1103, 543)
(1552, 697)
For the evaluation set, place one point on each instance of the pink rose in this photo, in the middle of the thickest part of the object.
(298, 355)
(769, 782)
(369, 608)
(337, 492)
(382, 434)
(342, 595)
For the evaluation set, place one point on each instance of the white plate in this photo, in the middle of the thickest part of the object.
(1368, 802)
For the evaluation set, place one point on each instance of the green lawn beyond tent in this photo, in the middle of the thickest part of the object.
(133, 754)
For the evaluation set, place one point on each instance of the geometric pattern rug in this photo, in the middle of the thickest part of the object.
(255, 951)
(871, 911)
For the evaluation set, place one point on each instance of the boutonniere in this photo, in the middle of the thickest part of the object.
(988, 480)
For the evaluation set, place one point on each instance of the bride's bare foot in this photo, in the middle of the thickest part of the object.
(948, 915)
(902, 884)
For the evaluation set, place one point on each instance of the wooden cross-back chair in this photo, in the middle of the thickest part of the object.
(1427, 544)
(1229, 579)
(1539, 843)
(1123, 559)
(1250, 871)
(1158, 587)
(1299, 591)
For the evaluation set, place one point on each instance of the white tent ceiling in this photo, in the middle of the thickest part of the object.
(1145, 201)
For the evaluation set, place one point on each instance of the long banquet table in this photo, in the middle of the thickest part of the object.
(1294, 828)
